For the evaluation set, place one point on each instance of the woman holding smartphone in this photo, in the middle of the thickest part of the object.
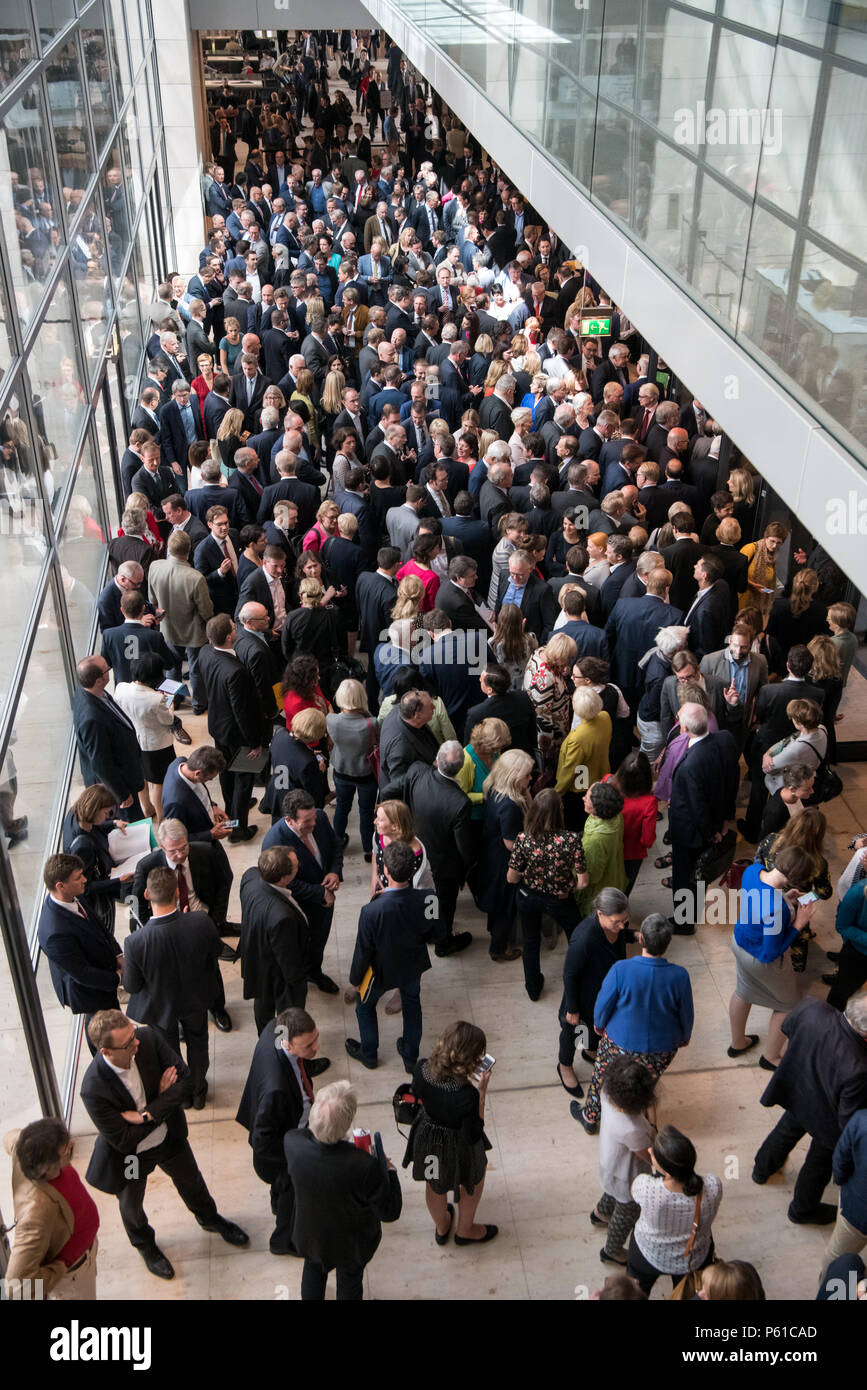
(775, 905)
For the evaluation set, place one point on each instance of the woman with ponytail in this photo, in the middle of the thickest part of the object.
(673, 1233)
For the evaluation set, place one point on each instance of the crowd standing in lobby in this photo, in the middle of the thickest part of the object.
(416, 544)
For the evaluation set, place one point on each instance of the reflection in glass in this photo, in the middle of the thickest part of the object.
(29, 206)
(69, 118)
(17, 47)
(89, 258)
(42, 728)
(721, 244)
(82, 552)
(52, 16)
(793, 93)
(22, 527)
(56, 379)
(838, 210)
(116, 210)
(146, 138)
(133, 153)
(98, 74)
(117, 40)
(19, 1102)
(104, 450)
(7, 348)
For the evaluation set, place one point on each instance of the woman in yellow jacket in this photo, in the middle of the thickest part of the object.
(583, 754)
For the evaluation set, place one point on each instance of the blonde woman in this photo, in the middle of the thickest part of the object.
(410, 595)
(546, 681)
(536, 394)
(304, 387)
(230, 438)
(762, 581)
(313, 628)
(324, 526)
(230, 346)
(506, 792)
(522, 420)
(204, 382)
(331, 401)
(499, 367)
(487, 741)
(355, 739)
(274, 397)
(827, 674)
(583, 756)
(741, 483)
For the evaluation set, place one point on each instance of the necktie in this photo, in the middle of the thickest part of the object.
(183, 892)
(250, 385)
(224, 546)
(257, 486)
(446, 299)
(645, 425)
(305, 1080)
(376, 270)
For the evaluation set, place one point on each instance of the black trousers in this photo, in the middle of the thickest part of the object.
(851, 974)
(195, 1028)
(815, 1172)
(758, 790)
(683, 862)
(647, 1274)
(350, 1282)
(183, 1170)
(265, 1006)
(320, 919)
(447, 889)
(237, 789)
(282, 1201)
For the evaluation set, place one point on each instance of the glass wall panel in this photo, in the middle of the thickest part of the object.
(29, 201)
(133, 29)
(51, 17)
(19, 1103)
(57, 381)
(739, 98)
(17, 44)
(82, 552)
(97, 70)
(146, 139)
(69, 117)
(117, 32)
(89, 258)
(40, 736)
(116, 207)
(721, 246)
(105, 461)
(22, 529)
(792, 104)
(838, 210)
(133, 152)
(7, 345)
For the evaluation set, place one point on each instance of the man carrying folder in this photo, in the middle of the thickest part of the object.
(236, 720)
(394, 931)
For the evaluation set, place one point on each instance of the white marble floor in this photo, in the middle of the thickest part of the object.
(542, 1178)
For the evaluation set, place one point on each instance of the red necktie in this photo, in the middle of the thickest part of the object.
(183, 893)
(305, 1080)
(257, 486)
(645, 425)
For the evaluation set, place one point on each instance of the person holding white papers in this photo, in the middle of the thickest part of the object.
(86, 829)
(148, 710)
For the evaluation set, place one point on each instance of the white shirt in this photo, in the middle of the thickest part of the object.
(278, 598)
(131, 1078)
(200, 792)
(195, 903)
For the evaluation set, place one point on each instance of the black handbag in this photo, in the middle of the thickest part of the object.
(406, 1106)
(826, 785)
(716, 859)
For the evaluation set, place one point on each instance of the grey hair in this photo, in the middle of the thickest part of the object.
(449, 333)
(171, 829)
(450, 758)
(693, 718)
(505, 384)
(499, 451)
(332, 1112)
(610, 901)
(671, 639)
(133, 521)
(564, 414)
(270, 417)
(856, 1012)
(132, 570)
(210, 471)
(286, 463)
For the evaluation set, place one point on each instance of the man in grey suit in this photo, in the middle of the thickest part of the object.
(402, 522)
(733, 678)
(314, 351)
(182, 592)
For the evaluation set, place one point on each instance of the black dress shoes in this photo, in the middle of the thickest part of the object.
(452, 944)
(200, 1099)
(317, 1066)
(228, 953)
(180, 735)
(222, 1020)
(353, 1047)
(240, 837)
(230, 929)
(232, 1234)
(157, 1262)
(325, 983)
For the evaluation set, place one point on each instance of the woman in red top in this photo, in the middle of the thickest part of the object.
(324, 526)
(56, 1219)
(634, 779)
(204, 382)
(424, 551)
(137, 501)
(301, 687)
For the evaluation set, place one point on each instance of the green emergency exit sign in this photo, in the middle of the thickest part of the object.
(596, 328)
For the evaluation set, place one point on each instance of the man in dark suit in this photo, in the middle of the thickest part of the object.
(618, 553)
(495, 412)
(132, 459)
(204, 878)
(495, 499)
(129, 579)
(84, 961)
(449, 663)
(179, 519)
(186, 797)
(290, 489)
(375, 596)
(821, 1082)
(171, 973)
(342, 1194)
(277, 1098)
(441, 814)
(252, 644)
(247, 390)
(514, 707)
(394, 930)
(217, 559)
(217, 403)
(708, 617)
(235, 718)
(131, 639)
(180, 426)
(264, 442)
(145, 416)
(528, 592)
(136, 1087)
(275, 936)
(456, 596)
(247, 482)
(631, 627)
(404, 736)
(473, 534)
(108, 748)
(156, 480)
(703, 795)
(307, 831)
(200, 500)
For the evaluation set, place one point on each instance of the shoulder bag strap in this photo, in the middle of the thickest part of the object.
(687, 1250)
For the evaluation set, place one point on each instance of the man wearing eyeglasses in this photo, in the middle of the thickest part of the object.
(135, 1092)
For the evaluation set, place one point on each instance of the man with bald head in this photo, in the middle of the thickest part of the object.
(289, 488)
(246, 480)
(108, 748)
(256, 652)
(130, 575)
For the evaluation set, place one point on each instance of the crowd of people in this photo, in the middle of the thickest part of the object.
(398, 530)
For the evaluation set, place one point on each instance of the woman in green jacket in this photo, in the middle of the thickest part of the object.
(602, 842)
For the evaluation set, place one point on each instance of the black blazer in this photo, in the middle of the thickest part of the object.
(255, 589)
(710, 622)
(82, 958)
(170, 968)
(173, 437)
(209, 870)
(375, 596)
(460, 607)
(401, 745)
(271, 1103)
(155, 486)
(394, 930)
(681, 558)
(199, 499)
(822, 1079)
(304, 495)
(307, 887)
(441, 813)
(249, 496)
(238, 397)
(223, 588)
(703, 790)
(259, 660)
(475, 537)
(610, 591)
(214, 408)
(771, 716)
(235, 716)
(107, 745)
(342, 1194)
(495, 414)
(122, 645)
(274, 943)
(181, 803)
(539, 608)
(293, 765)
(632, 625)
(105, 1098)
(516, 709)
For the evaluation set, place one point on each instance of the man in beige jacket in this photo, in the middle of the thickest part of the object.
(56, 1219)
(182, 592)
